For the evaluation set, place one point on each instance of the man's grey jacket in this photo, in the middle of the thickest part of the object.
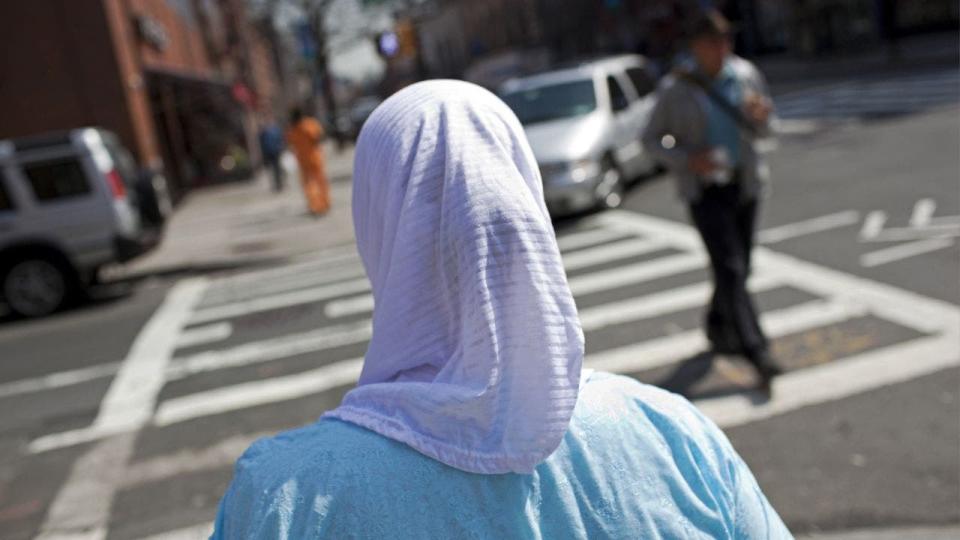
(678, 127)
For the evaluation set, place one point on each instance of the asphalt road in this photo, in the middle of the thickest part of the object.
(122, 418)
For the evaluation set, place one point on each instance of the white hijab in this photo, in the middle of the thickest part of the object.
(477, 348)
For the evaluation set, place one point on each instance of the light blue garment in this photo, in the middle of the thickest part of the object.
(637, 462)
(722, 129)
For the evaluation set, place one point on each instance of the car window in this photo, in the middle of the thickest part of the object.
(642, 80)
(6, 203)
(618, 99)
(552, 102)
(122, 159)
(56, 179)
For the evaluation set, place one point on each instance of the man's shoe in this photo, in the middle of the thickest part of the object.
(766, 368)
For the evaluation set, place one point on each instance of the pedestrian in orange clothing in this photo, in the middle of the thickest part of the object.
(304, 137)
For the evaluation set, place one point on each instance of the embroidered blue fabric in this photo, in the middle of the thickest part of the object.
(637, 462)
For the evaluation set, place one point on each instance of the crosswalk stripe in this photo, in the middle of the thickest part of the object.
(573, 261)
(59, 379)
(610, 252)
(332, 258)
(349, 306)
(307, 279)
(671, 349)
(659, 352)
(808, 226)
(270, 349)
(202, 335)
(241, 396)
(891, 96)
(586, 238)
(278, 301)
(636, 273)
(904, 251)
(189, 460)
(195, 532)
(661, 303)
(836, 380)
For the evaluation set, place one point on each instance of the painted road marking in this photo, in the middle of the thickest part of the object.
(81, 508)
(629, 359)
(308, 279)
(843, 297)
(271, 349)
(617, 277)
(349, 306)
(59, 379)
(203, 335)
(873, 224)
(130, 400)
(311, 265)
(251, 394)
(610, 252)
(926, 315)
(923, 212)
(633, 274)
(189, 460)
(933, 230)
(195, 532)
(586, 238)
(903, 251)
(278, 301)
(808, 226)
(674, 348)
(836, 380)
(662, 303)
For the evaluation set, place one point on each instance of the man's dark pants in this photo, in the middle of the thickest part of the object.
(726, 224)
(276, 172)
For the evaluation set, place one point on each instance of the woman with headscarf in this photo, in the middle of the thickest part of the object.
(472, 417)
(304, 137)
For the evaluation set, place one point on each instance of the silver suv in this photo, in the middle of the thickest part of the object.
(69, 204)
(584, 123)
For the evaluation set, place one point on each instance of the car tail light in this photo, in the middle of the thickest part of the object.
(117, 187)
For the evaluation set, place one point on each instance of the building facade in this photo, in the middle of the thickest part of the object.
(457, 34)
(178, 80)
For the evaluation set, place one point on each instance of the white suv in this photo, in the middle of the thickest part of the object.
(68, 205)
(584, 123)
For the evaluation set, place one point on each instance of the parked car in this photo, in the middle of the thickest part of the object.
(584, 123)
(361, 109)
(70, 203)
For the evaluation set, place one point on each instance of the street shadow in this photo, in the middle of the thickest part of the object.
(688, 373)
(198, 269)
(94, 297)
(122, 287)
(699, 368)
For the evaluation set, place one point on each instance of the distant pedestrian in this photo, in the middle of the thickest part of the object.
(705, 127)
(304, 137)
(271, 150)
(473, 417)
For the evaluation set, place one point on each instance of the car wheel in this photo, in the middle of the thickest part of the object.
(36, 286)
(610, 190)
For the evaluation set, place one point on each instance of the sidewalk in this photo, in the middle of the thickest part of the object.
(787, 73)
(949, 532)
(247, 224)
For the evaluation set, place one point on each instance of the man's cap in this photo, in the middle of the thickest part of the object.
(709, 23)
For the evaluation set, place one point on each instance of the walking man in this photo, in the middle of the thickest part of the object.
(304, 137)
(271, 148)
(710, 113)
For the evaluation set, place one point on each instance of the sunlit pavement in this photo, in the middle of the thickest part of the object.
(123, 418)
